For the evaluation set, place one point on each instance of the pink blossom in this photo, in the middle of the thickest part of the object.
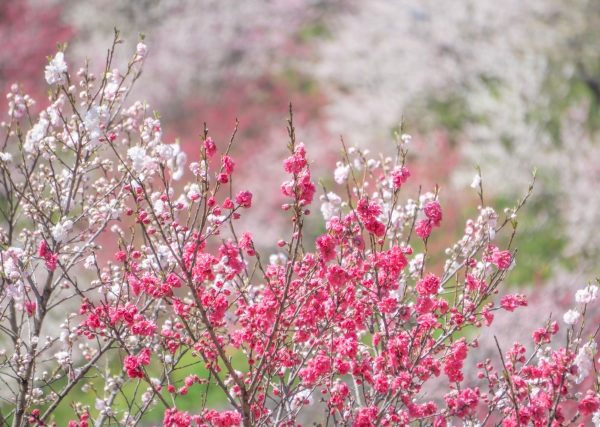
(589, 404)
(134, 364)
(366, 417)
(510, 302)
(429, 285)
(423, 228)
(175, 418)
(228, 165)
(433, 212)
(502, 259)
(399, 176)
(244, 199)
(326, 246)
(50, 258)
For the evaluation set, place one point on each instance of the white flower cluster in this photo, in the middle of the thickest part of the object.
(18, 103)
(147, 156)
(331, 205)
(56, 70)
(10, 270)
(42, 131)
(140, 160)
(571, 317)
(63, 358)
(95, 120)
(341, 172)
(585, 361)
(36, 134)
(587, 294)
(582, 296)
(61, 230)
(6, 157)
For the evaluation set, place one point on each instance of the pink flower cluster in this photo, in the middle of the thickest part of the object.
(433, 218)
(133, 365)
(300, 187)
(50, 258)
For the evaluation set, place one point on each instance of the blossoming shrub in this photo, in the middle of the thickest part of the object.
(348, 329)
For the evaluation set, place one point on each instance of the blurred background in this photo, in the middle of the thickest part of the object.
(508, 85)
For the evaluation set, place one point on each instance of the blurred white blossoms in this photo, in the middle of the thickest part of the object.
(571, 317)
(476, 181)
(90, 262)
(340, 175)
(587, 294)
(141, 50)
(56, 70)
(194, 193)
(331, 205)
(95, 121)
(35, 135)
(177, 161)
(140, 159)
(585, 361)
(61, 230)
(415, 265)
(17, 102)
(63, 358)
(9, 267)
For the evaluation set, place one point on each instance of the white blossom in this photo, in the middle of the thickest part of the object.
(340, 175)
(95, 120)
(194, 192)
(277, 259)
(587, 294)
(100, 404)
(35, 135)
(140, 159)
(10, 269)
(56, 69)
(331, 205)
(141, 49)
(571, 317)
(147, 397)
(62, 357)
(165, 152)
(177, 162)
(112, 88)
(585, 361)
(372, 164)
(160, 207)
(61, 230)
(303, 397)
(416, 264)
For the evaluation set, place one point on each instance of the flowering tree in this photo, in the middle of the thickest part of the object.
(354, 323)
